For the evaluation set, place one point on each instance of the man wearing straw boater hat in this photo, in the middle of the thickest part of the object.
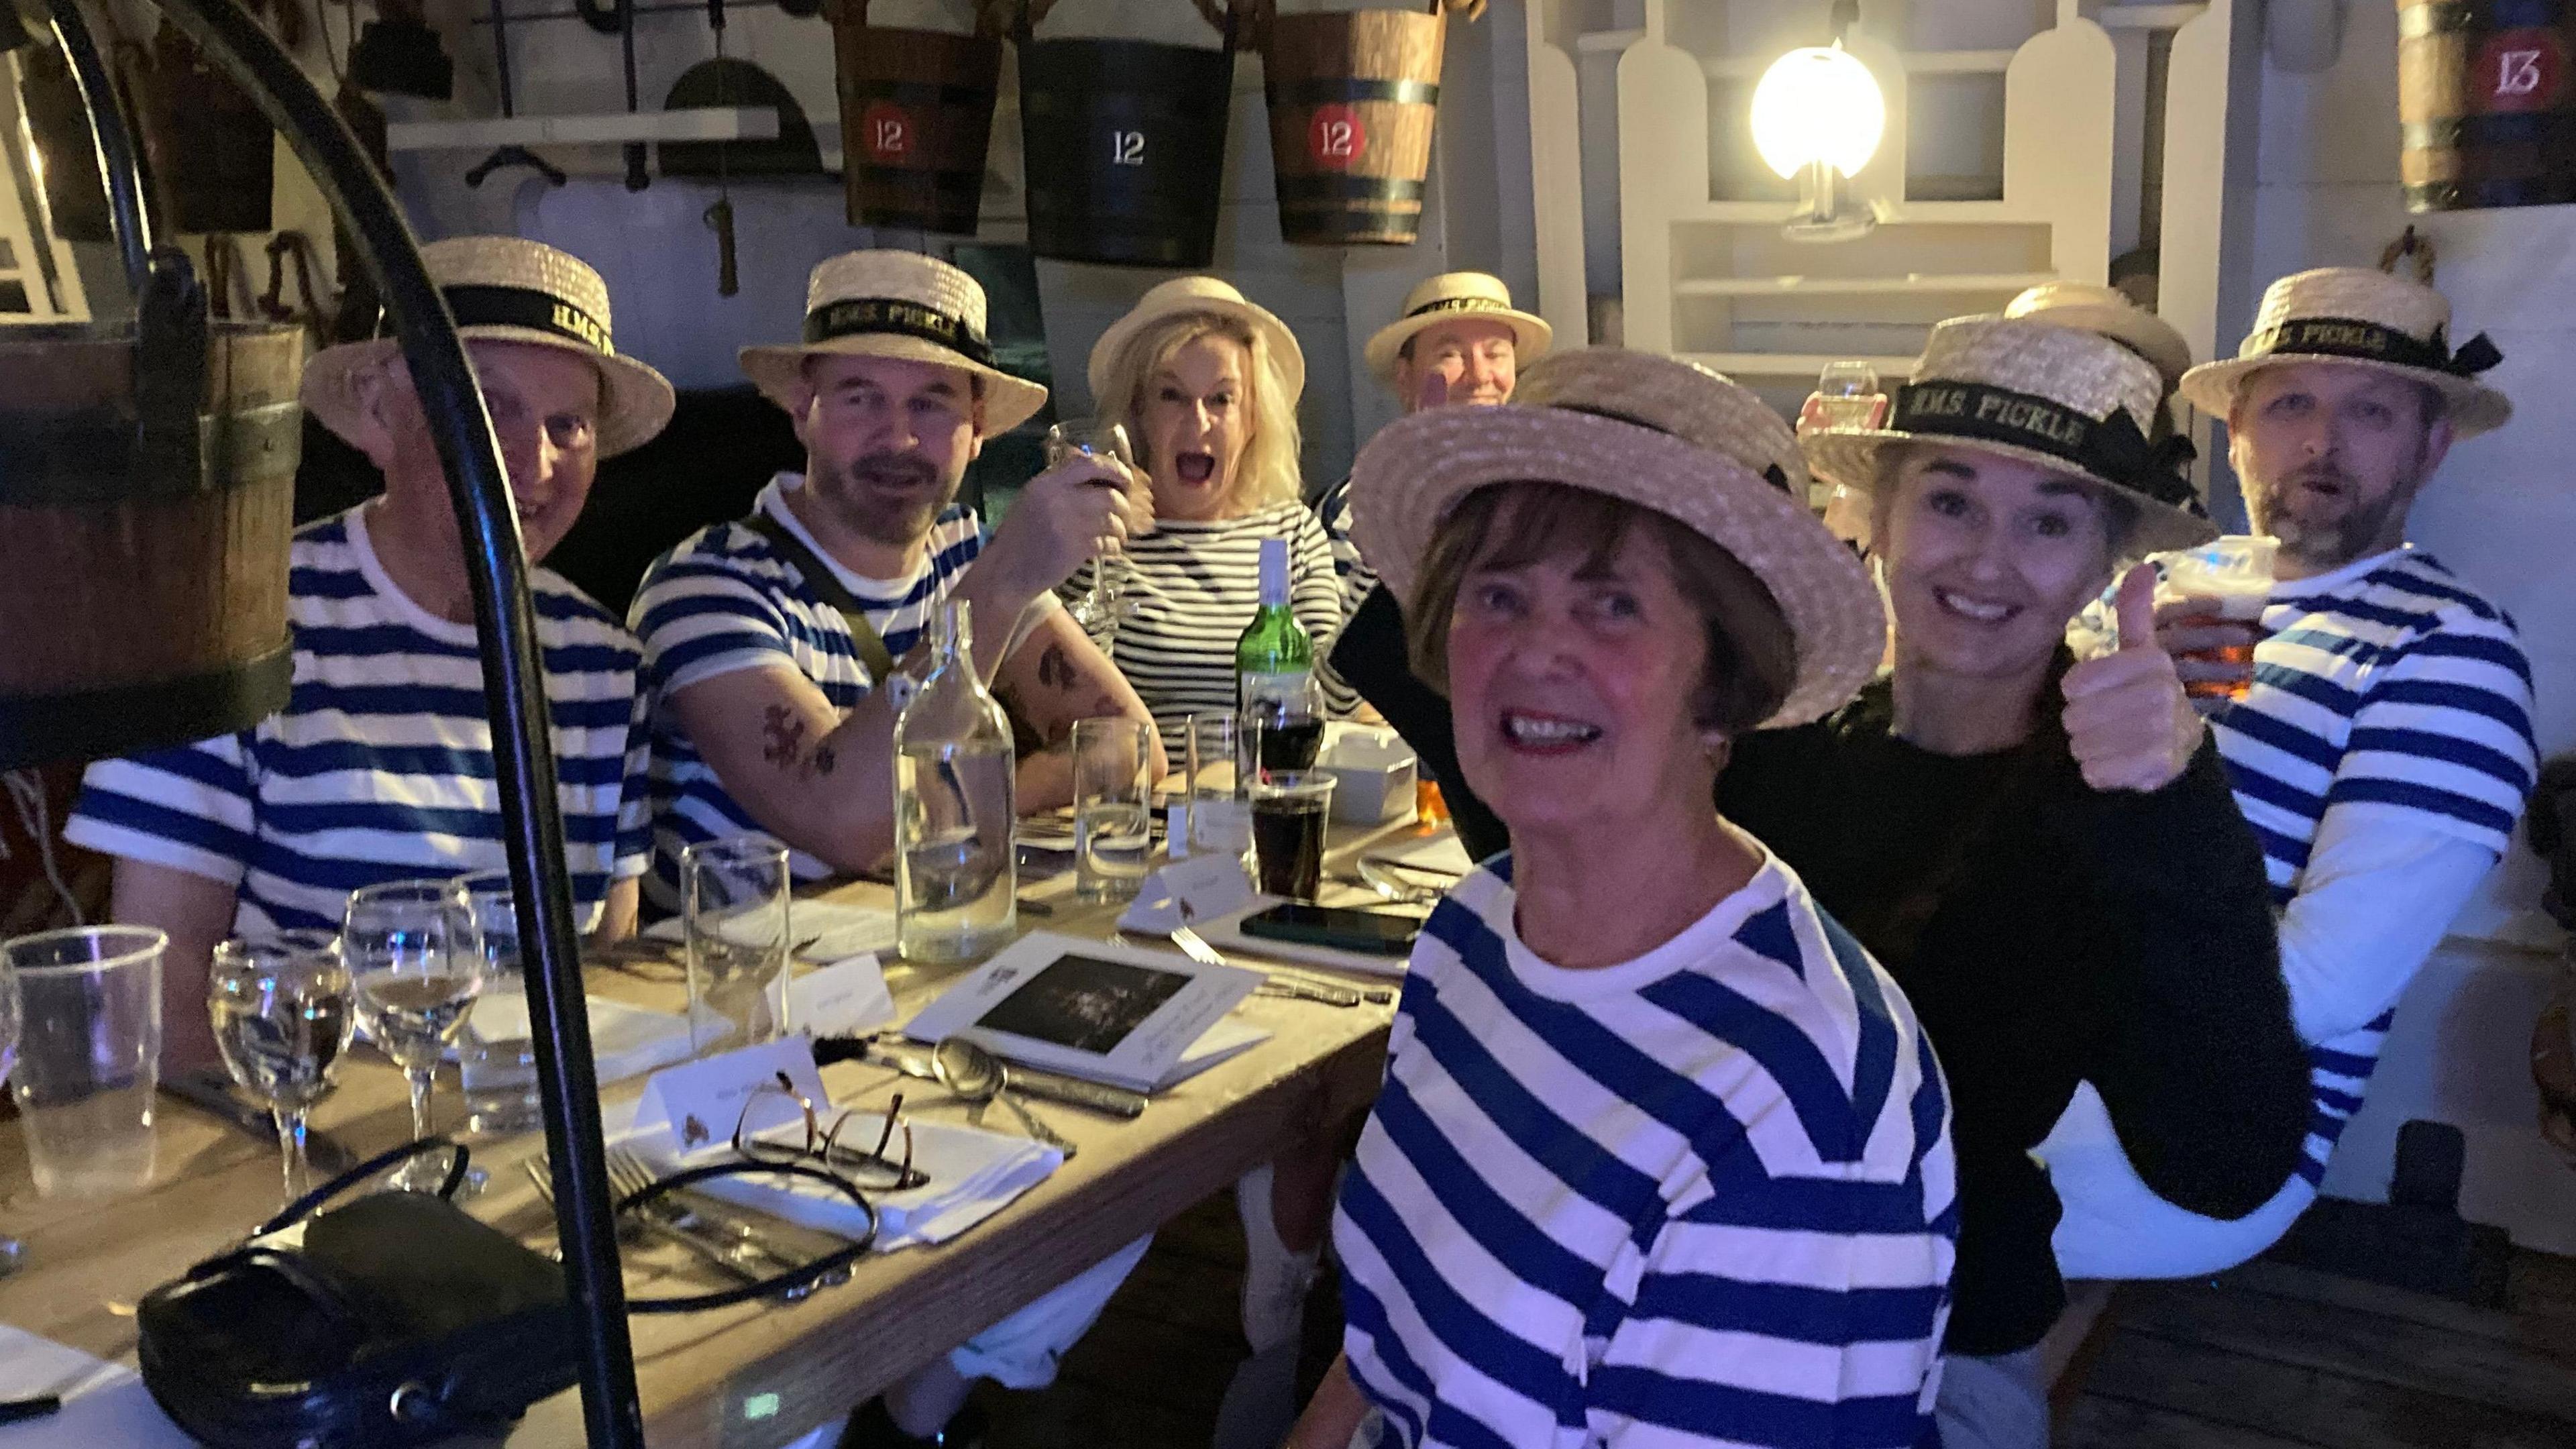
(380, 766)
(1459, 339)
(2381, 746)
(767, 640)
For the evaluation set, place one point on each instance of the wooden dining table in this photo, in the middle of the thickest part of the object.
(759, 1374)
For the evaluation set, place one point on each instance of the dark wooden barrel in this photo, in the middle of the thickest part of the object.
(916, 117)
(1124, 142)
(2485, 103)
(1352, 99)
(141, 606)
(213, 156)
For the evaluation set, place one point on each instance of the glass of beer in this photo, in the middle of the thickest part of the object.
(2233, 575)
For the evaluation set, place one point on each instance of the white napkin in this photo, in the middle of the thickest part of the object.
(103, 1403)
(830, 930)
(973, 1175)
(625, 1041)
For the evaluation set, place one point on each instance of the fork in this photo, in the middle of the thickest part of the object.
(541, 1174)
(630, 1173)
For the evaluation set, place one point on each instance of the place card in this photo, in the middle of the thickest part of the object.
(846, 998)
(700, 1102)
(1209, 885)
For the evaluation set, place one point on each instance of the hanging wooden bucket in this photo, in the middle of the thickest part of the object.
(1124, 142)
(1352, 99)
(138, 608)
(213, 155)
(916, 117)
(2486, 103)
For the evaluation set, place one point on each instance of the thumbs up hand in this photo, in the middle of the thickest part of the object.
(2127, 721)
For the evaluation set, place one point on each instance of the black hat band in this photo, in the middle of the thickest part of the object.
(1458, 304)
(859, 316)
(2111, 449)
(537, 311)
(2372, 342)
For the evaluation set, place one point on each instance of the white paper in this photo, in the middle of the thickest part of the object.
(846, 998)
(973, 1175)
(625, 1040)
(699, 1103)
(103, 1403)
(1135, 1040)
(1209, 885)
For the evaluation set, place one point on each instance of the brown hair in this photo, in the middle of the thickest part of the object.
(1752, 656)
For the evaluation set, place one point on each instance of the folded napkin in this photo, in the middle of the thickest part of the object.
(973, 1175)
(625, 1041)
(818, 930)
(103, 1403)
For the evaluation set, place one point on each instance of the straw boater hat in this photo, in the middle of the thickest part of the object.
(895, 304)
(2069, 400)
(1446, 298)
(509, 289)
(2366, 317)
(1657, 432)
(2092, 307)
(1213, 297)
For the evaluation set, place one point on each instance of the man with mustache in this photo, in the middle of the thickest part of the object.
(769, 649)
(2380, 740)
(766, 639)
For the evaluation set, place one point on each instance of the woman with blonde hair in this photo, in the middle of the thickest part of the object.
(1207, 386)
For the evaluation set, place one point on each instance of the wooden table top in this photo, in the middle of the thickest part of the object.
(757, 1374)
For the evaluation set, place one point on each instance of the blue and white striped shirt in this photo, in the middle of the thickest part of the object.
(380, 766)
(725, 600)
(1333, 510)
(2386, 691)
(1702, 1197)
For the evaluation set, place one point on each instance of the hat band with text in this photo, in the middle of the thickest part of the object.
(2112, 448)
(1459, 304)
(860, 316)
(2372, 342)
(489, 306)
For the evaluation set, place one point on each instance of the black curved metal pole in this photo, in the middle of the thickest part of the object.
(513, 685)
(112, 145)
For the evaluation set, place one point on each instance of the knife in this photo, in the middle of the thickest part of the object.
(213, 1096)
(914, 1061)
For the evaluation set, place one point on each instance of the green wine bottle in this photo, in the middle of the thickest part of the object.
(1276, 696)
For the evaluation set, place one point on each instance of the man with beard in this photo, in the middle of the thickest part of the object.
(765, 707)
(2379, 739)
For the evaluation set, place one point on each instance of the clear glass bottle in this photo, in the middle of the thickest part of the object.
(1275, 694)
(956, 884)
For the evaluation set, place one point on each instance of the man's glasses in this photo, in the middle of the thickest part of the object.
(756, 1138)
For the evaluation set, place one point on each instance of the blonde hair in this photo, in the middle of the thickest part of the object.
(1268, 472)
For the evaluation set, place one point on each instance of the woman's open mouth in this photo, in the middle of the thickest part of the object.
(1196, 469)
(1532, 733)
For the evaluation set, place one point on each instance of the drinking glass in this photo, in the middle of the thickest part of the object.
(1113, 834)
(734, 895)
(283, 1010)
(1097, 612)
(1289, 811)
(2231, 578)
(11, 1250)
(496, 1058)
(417, 965)
(89, 1055)
(1217, 822)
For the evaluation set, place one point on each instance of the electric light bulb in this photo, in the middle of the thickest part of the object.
(1818, 103)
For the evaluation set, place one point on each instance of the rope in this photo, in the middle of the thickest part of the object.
(2415, 244)
(27, 793)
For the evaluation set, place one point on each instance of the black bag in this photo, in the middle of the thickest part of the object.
(400, 1320)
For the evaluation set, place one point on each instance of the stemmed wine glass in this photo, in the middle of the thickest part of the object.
(1098, 614)
(416, 962)
(283, 1011)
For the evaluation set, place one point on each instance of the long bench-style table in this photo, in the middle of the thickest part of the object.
(756, 1375)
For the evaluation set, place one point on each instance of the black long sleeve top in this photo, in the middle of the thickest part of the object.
(2047, 933)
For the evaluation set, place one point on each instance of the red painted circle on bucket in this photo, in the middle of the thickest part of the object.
(2521, 70)
(1335, 138)
(887, 130)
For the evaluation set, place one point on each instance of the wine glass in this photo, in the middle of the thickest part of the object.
(416, 962)
(283, 1011)
(1073, 438)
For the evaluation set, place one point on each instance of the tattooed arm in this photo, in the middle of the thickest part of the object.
(1055, 677)
(818, 780)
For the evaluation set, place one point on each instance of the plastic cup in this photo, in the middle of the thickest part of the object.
(90, 1059)
(2233, 575)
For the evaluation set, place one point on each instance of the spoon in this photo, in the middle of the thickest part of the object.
(977, 1077)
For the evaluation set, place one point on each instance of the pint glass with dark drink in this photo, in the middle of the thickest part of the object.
(2233, 577)
(1289, 812)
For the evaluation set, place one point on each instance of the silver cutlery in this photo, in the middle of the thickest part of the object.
(645, 1221)
(977, 1076)
(914, 1061)
(629, 1173)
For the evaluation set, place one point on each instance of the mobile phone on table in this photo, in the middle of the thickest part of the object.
(1370, 933)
